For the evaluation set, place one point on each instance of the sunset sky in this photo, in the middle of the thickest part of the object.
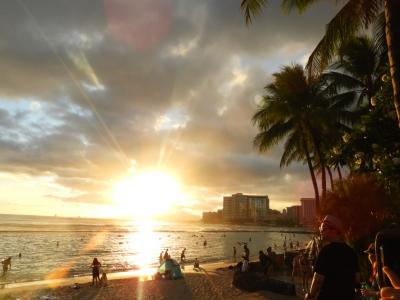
(95, 93)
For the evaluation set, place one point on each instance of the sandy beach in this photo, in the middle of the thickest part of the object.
(212, 282)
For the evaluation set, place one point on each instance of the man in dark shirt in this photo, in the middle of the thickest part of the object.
(336, 272)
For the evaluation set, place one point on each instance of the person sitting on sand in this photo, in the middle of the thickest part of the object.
(95, 270)
(104, 279)
(6, 264)
(196, 264)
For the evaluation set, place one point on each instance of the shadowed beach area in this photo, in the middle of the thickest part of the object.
(211, 282)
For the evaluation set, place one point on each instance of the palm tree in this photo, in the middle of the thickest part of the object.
(353, 16)
(293, 109)
(358, 69)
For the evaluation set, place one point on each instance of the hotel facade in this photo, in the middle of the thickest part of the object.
(239, 207)
(304, 214)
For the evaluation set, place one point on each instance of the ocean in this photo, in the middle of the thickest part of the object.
(57, 247)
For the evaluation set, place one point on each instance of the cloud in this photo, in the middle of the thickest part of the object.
(81, 98)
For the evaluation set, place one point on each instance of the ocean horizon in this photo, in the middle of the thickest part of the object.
(61, 247)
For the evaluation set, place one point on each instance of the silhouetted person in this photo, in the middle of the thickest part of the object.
(246, 253)
(6, 264)
(196, 264)
(58, 243)
(336, 272)
(371, 290)
(95, 270)
(166, 255)
(161, 257)
(205, 243)
(234, 251)
(183, 256)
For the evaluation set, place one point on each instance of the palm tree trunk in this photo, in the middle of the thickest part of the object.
(323, 179)
(340, 174)
(314, 180)
(392, 28)
(330, 177)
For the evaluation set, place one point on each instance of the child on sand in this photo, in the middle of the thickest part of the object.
(196, 264)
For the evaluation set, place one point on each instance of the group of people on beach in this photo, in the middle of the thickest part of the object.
(336, 273)
(96, 265)
(334, 268)
(164, 255)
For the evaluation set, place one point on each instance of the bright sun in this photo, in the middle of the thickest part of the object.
(147, 194)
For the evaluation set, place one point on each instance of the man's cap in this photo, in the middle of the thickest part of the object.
(370, 249)
(333, 222)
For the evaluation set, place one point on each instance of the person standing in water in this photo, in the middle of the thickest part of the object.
(166, 255)
(234, 252)
(95, 270)
(6, 264)
(183, 256)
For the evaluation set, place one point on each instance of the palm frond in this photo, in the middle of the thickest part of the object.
(252, 8)
(268, 138)
(354, 15)
(337, 81)
(291, 150)
(300, 5)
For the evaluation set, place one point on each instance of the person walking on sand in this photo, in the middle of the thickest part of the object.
(336, 271)
(95, 271)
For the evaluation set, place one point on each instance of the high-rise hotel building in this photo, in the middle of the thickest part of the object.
(239, 207)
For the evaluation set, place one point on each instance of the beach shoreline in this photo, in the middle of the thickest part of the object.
(212, 281)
